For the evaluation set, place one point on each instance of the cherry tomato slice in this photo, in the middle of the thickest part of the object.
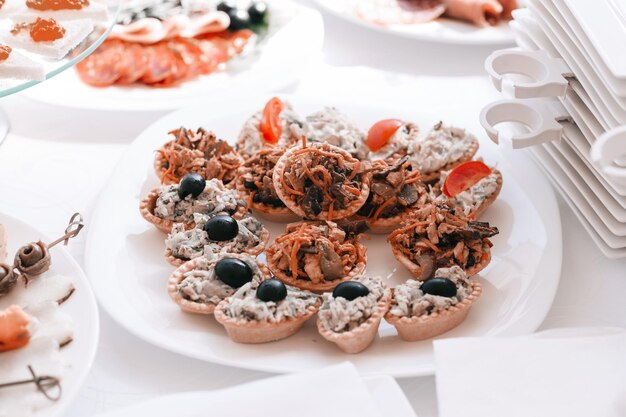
(464, 176)
(380, 133)
(271, 126)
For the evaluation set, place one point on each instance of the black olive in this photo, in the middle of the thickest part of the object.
(271, 290)
(439, 286)
(239, 19)
(226, 6)
(233, 272)
(350, 290)
(249, 185)
(471, 261)
(257, 12)
(191, 184)
(221, 228)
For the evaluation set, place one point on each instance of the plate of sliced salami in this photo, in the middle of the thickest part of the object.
(169, 57)
(472, 22)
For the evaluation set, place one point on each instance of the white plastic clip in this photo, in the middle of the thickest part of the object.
(541, 116)
(608, 149)
(547, 73)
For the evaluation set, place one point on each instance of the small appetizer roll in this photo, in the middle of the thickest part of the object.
(396, 190)
(330, 126)
(351, 314)
(33, 260)
(200, 152)
(390, 139)
(254, 180)
(471, 187)
(8, 279)
(435, 237)
(15, 330)
(199, 285)
(424, 309)
(442, 149)
(265, 312)
(321, 181)
(316, 256)
(212, 235)
(276, 125)
(177, 203)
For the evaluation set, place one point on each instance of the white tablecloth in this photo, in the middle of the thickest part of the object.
(55, 161)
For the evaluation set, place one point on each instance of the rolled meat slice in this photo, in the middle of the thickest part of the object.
(399, 12)
(479, 12)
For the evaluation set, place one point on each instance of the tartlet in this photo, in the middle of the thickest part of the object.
(196, 287)
(248, 318)
(441, 149)
(200, 152)
(476, 199)
(352, 323)
(330, 126)
(396, 190)
(437, 237)
(320, 181)
(316, 255)
(254, 180)
(418, 315)
(395, 146)
(252, 139)
(163, 206)
(183, 245)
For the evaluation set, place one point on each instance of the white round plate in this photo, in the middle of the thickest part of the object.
(291, 47)
(442, 30)
(129, 274)
(81, 307)
(384, 391)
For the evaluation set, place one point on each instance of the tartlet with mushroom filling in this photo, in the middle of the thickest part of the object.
(276, 125)
(316, 255)
(391, 139)
(395, 191)
(320, 181)
(435, 237)
(351, 314)
(213, 235)
(266, 312)
(471, 187)
(199, 285)
(200, 152)
(177, 203)
(423, 309)
(331, 126)
(441, 149)
(254, 180)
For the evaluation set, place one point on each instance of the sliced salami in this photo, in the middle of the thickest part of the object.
(102, 67)
(133, 64)
(160, 63)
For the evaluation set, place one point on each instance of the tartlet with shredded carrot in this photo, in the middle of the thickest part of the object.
(436, 237)
(396, 190)
(197, 151)
(316, 255)
(319, 181)
(254, 181)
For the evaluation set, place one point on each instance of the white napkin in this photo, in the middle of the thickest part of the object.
(569, 372)
(336, 391)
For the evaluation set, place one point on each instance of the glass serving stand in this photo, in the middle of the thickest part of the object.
(52, 68)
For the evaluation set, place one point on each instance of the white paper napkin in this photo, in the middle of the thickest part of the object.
(336, 391)
(569, 372)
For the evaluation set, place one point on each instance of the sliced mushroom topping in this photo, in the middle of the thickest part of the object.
(408, 195)
(383, 190)
(329, 261)
(312, 202)
(427, 262)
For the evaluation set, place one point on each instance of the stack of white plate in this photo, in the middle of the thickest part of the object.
(573, 107)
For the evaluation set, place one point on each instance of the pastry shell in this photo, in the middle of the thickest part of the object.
(178, 276)
(253, 251)
(254, 332)
(319, 287)
(352, 208)
(359, 338)
(412, 329)
(148, 204)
